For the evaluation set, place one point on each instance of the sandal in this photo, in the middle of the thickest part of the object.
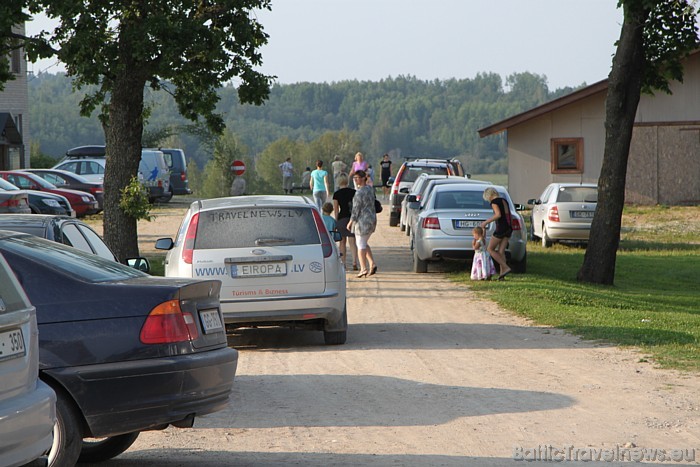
(373, 271)
(362, 274)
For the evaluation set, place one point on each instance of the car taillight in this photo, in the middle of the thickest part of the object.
(13, 202)
(96, 190)
(188, 246)
(553, 214)
(515, 224)
(323, 232)
(431, 223)
(160, 183)
(183, 176)
(167, 323)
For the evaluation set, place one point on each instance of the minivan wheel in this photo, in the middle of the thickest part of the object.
(419, 265)
(335, 337)
(167, 197)
(102, 449)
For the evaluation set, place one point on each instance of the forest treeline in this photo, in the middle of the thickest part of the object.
(402, 116)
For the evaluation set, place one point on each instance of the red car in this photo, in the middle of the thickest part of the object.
(83, 203)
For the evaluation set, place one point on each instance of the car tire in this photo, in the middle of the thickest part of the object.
(393, 221)
(419, 266)
(403, 227)
(335, 337)
(546, 242)
(167, 197)
(106, 448)
(520, 267)
(67, 438)
(408, 231)
(532, 230)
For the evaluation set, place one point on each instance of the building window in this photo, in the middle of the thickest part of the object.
(16, 59)
(567, 155)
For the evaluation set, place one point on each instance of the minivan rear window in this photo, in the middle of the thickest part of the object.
(411, 174)
(255, 226)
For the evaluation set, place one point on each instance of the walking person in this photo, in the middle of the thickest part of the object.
(499, 240)
(287, 173)
(359, 164)
(385, 174)
(363, 222)
(482, 266)
(339, 167)
(342, 207)
(319, 185)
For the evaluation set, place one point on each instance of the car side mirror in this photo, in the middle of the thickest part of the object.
(403, 190)
(468, 175)
(411, 199)
(520, 207)
(164, 244)
(533, 201)
(139, 263)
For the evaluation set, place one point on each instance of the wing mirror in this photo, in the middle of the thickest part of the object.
(164, 244)
(139, 263)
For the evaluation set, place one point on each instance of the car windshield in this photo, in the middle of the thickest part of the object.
(41, 182)
(578, 194)
(412, 173)
(5, 185)
(68, 260)
(255, 226)
(463, 200)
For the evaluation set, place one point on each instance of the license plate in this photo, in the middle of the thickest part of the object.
(245, 270)
(464, 224)
(211, 321)
(582, 214)
(12, 344)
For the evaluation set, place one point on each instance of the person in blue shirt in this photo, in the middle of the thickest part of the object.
(319, 185)
(329, 221)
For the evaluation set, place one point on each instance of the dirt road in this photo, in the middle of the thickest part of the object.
(431, 375)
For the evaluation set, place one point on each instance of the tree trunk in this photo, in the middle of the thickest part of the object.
(123, 132)
(624, 88)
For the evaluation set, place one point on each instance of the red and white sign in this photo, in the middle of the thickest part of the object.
(238, 167)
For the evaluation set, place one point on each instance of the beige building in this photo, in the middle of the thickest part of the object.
(14, 114)
(564, 141)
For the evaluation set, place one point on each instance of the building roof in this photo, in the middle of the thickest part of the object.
(599, 87)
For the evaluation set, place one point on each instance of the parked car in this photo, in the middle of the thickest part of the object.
(408, 173)
(90, 162)
(41, 202)
(177, 163)
(68, 231)
(82, 203)
(14, 201)
(563, 212)
(27, 404)
(443, 229)
(125, 352)
(421, 188)
(73, 181)
(273, 254)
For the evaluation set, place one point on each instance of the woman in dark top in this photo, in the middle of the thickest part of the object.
(499, 239)
(342, 209)
(385, 174)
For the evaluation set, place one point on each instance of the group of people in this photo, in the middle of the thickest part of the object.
(482, 264)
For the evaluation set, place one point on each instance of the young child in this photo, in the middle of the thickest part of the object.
(330, 221)
(482, 266)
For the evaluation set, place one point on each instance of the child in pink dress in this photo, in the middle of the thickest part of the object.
(482, 266)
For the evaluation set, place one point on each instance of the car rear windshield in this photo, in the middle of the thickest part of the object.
(68, 260)
(578, 194)
(412, 173)
(254, 226)
(462, 200)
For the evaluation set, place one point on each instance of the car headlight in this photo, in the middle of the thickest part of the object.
(51, 202)
(85, 199)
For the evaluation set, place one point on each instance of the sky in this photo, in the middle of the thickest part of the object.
(569, 41)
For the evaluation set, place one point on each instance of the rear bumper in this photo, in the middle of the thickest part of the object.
(437, 248)
(122, 397)
(328, 308)
(568, 231)
(27, 425)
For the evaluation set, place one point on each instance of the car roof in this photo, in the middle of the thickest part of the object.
(29, 219)
(570, 185)
(94, 150)
(253, 200)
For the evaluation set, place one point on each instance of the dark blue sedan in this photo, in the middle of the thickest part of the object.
(125, 352)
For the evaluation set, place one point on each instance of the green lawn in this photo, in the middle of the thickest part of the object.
(654, 304)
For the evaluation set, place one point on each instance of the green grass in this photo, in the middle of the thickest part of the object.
(654, 304)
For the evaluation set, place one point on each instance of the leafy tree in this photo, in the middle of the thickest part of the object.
(188, 48)
(267, 163)
(656, 36)
(217, 173)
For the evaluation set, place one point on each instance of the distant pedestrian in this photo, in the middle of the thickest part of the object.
(330, 221)
(342, 208)
(363, 222)
(320, 188)
(499, 240)
(287, 174)
(339, 168)
(359, 164)
(370, 176)
(385, 174)
(482, 266)
(238, 187)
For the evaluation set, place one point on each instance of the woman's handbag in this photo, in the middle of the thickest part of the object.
(377, 206)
